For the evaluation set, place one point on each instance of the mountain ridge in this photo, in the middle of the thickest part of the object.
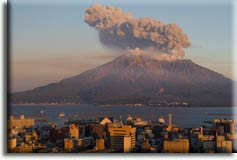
(131, 79)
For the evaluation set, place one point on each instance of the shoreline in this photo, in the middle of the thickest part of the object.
(114, 105)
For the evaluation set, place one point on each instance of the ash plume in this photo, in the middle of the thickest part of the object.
(119, 29)
(155, 54)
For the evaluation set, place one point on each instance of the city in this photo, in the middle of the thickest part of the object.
(109, 135)
(105, 76)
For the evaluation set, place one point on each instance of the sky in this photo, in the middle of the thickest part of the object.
(51, 41)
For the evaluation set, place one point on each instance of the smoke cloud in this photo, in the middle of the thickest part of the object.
(156, 54)
(119, 29)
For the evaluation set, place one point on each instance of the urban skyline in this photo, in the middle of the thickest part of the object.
(108, 135)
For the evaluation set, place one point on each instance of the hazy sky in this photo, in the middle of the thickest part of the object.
(51, 41)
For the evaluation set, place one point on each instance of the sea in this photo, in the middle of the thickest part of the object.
(184, 117)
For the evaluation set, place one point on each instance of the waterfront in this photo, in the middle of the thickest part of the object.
(92, 129)
(183, 117)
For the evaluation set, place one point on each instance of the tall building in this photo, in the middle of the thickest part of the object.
(201, 130)
(21, 122)
(100, 144)
(74, 131)
(226, 146)
(169, 128)
(12, 143)
(176, 146)
(127, 144)
(222, 145)
(170, 119)
(123, 139)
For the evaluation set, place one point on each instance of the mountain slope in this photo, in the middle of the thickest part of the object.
(137, 79)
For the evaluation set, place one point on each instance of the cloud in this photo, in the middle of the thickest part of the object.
(119, 29)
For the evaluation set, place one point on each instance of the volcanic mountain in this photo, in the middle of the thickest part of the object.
(137, 79)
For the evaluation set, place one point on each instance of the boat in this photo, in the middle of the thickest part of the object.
(61, 114)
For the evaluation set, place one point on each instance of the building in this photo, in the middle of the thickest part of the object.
(113, 125)
(220, 130)
(68, 144)
(123, 138)
(58, 134)
(95, 130)
(145, 146)
(176, 146)
(73, 144)
(161, 120)
(219, 140)
(139, 122)
(84, 142)
(169, 127)
(31, 136)
(232, 127)
(100, 144)
(105, 120)
(222, 145)
(82, 130)
(208, 146)
(202, 137)
(74, 131)
(12, 143)
(206, 143)
(23, 148)
(130, 118)
(226, 126)
(127, 144)
(226, 146)
(21, 122)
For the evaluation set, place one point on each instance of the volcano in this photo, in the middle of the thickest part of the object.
(137, 79)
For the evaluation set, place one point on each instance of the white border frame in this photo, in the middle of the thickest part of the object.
(3, 97)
